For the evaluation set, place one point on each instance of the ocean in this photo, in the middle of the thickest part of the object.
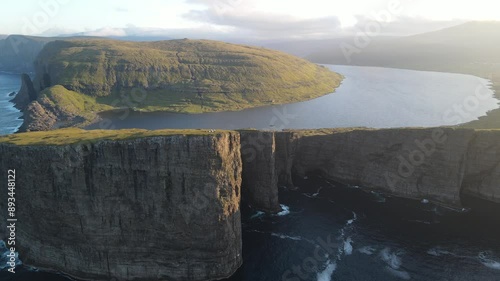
(9, 116)
(332, 232)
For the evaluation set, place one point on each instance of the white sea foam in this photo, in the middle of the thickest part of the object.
(283, 236)
(348, 246)
(398, 273)
(4, 258)
(257, 215)
(326, 274)
(390, 258)
(367, 250)
(285, 210)
(351, 221)
(489, 261)
(313, 195)
(438, 251)
(394, 262)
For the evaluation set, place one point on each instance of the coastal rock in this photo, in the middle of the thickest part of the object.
(37, 117)
(26, 94)
(158, 208)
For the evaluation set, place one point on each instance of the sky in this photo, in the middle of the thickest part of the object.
(258, 19)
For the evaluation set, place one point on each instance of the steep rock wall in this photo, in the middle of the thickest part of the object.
(439, 164)
(482, 173)
(158, 208)
(26, 94)
(259, 173)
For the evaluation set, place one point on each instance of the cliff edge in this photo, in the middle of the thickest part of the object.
(154, 208)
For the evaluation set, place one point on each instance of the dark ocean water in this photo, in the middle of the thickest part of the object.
(328, 231)
(9, 116)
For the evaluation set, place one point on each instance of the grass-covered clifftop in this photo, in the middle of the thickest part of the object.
(69, 136)
(189, 76)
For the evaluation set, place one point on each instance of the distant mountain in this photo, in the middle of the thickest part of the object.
(17, 52)
(470, 48)
(462, 48)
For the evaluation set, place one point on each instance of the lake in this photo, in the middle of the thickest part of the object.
(368, 97)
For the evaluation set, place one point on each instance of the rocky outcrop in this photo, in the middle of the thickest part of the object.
(260, 179)
(38, 117)
(158, 208)
(26, 94)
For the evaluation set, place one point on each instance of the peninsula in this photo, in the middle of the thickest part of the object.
(76, 79)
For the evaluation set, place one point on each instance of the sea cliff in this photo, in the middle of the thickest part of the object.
(155, 208)
(153, 205)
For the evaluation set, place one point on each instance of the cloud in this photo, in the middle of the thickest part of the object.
(236, 15)
(245, 19)
(403, 25)
(106, 32)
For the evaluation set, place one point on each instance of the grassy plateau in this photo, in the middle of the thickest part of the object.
(186, 76)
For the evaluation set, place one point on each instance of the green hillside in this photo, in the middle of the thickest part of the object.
(190, 76)
(69, 136)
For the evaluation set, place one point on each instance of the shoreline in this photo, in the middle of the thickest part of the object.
(11, 108)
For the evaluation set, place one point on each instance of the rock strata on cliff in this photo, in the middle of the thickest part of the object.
(157, 208)
(168, 207)
(439, 164)
(259, 170)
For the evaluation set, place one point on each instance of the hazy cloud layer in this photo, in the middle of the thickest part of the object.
(234, 15)
(402, 25)
(239, 16)
(238, 20)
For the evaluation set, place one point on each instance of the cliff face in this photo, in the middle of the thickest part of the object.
(168, 207)
(259, 170)
(437, 164)
(26, 94)
(482, 173)
(155, 208)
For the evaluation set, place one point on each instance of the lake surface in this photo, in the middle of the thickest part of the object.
(9, 116)
(368, 97)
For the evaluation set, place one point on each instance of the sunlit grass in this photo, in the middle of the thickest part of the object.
(75, 135)
(188, 76)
